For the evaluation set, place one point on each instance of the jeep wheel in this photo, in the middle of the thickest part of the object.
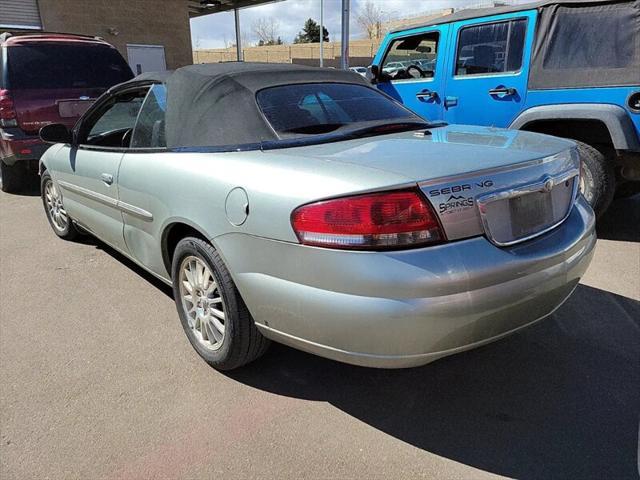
(11, 177)
(598, 179)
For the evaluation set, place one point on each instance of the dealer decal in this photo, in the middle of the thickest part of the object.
(455, 204)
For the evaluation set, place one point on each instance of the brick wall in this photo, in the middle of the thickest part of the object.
(150, 22)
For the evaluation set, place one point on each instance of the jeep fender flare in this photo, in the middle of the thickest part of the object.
(616, 119)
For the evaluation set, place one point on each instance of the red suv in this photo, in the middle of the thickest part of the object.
(47, 78)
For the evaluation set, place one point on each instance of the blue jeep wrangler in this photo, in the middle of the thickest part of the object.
(564, 68)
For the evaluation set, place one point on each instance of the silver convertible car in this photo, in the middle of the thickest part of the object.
(303, 206)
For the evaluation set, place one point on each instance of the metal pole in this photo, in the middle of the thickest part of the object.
(236, 13)
(344, 63)
(321, 33)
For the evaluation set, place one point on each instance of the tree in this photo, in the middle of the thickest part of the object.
(370, 18)
(311, 33)
(267, 31)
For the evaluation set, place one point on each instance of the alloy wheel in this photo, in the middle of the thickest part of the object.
(57, 213)
(202, 302)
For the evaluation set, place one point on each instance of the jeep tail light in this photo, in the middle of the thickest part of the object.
(368, 222)
(8, 113)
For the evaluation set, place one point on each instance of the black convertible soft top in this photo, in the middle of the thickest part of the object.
(215, 104)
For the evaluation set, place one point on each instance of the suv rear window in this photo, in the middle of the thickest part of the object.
(317, 108)
(55, 66)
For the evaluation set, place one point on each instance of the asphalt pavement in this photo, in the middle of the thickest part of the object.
(97, 380)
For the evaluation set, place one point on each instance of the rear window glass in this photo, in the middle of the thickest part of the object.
(54, 66)
(310, 109)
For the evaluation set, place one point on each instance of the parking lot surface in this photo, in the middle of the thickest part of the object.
(97, 380)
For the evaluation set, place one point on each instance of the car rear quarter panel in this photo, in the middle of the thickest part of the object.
(192, 188)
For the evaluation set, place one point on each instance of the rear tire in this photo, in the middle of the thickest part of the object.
(239, 341)
(598, 180)
(59, 220)
(12, 177)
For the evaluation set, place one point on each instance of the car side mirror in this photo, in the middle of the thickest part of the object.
(373, 72)
(56, 133)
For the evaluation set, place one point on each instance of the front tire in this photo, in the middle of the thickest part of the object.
(59, 220)
(212, 312)
(598, 180)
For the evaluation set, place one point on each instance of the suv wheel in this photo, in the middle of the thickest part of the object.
(11, 177)
(213, 315)
(598, 179)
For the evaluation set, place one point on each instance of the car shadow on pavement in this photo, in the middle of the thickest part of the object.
(560, 399)
(621, 221)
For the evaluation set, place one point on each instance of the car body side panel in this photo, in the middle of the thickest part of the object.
(161, 188)
(192, 188)
(88, 198)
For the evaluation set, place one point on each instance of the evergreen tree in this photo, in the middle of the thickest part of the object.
(311, 33)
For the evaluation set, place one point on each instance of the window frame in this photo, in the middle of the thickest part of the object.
(393, 40)
(510, 73)
(96, 108)
(135, 125)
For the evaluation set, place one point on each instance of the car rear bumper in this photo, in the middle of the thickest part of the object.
(407, 308)
(16, 146)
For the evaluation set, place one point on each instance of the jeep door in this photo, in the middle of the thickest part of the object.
(88, 171)
(412, 67)
(489, 64)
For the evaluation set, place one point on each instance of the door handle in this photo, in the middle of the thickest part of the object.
(106, 178)
(426, 95)
(450, 101)
(502, 91)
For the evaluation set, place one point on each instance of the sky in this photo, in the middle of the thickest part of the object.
(217, 30)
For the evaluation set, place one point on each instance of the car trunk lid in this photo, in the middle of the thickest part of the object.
(508, 185)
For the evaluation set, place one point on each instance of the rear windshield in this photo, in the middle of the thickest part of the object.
(317, 108)
(55, 66)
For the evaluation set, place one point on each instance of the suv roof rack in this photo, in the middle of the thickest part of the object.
(42, 33)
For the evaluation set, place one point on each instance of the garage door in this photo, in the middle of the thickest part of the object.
(146, 58)
(20, 14)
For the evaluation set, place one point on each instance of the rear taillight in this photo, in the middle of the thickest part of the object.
(8, 113)
(368, 222)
